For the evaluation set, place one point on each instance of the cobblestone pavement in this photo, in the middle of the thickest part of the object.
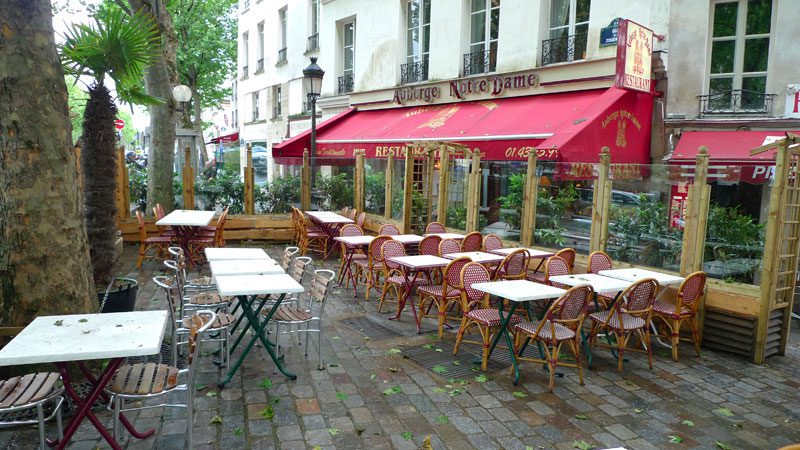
(372, 394)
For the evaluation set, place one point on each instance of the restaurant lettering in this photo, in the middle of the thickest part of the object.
(523, 152)
(494, 85)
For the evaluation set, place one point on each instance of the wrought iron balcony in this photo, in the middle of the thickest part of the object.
(479, 62)
(414, 72)
(276, 112)
(245, 73)
(346, 84)
(260, 65)
(564, 49)
(313, 42)
(736, 102)
(282, 55)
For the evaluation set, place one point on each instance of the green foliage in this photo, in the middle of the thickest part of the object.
(374, 191)
(278, 196)
(226, 189)
(732, 234)
(334, 192)
(137, 185)
(551, 213)
(643, 235)
(77, 105)
(457, 218)
(514, 200)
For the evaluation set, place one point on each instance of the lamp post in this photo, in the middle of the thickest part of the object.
(182, 94)
(312, 78)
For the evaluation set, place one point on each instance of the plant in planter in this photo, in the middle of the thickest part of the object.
(119, 47)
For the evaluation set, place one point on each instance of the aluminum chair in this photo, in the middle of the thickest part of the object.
(32, 391)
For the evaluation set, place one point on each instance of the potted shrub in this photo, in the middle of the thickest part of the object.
(119, 47)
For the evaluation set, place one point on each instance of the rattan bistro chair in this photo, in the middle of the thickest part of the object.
(32, 391)
(146, 244)
(434, 227)
(684, 310)
(443, 297)
(388, 229)
(492, 242)
(369, 271)
(144, 381)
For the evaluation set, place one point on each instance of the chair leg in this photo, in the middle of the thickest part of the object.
(552, 362)
(383, 296)
(321, 366)
(189, 415)
(650, 347)
(485, 335)
(40, 414)
(307, 333)
(622, 338)
(117, 408)
(60, 421)
(695, 334)
(575, 345)
(142, 249)
(675, 337)
(442, 314)
(460, 334)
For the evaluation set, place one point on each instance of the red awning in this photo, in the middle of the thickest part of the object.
(568, 126)
(233, 137)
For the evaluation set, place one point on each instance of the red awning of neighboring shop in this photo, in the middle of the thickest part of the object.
(727, 146)
(567, 126)
(233, 137)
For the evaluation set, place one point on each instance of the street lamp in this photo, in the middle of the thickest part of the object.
(312, 79)
(182, 94)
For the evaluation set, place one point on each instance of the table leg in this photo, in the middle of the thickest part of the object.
(248, 325)
(406, 294)
(504, 332)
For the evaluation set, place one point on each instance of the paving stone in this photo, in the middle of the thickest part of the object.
(314, 422)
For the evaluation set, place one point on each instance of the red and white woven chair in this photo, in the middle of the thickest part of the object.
(684, 310)
(629, 315)
(388, 229)
(448, 246)
(514, 266)
(435, 227)
(369, 271)
(598, 261)
(443, 297)
(476, 311)
(146, 244)
(561, 323)
(393, 275)
(350, 230)
(554, 266)
(472, 242)
(492, 242)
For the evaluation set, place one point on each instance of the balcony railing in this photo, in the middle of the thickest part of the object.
(414, 72)
(479, 62)
(564, 49)
(260, 65)
(276, 112)
(736, 102)
(245, 73)
(313, 42)
(346, 84)
(282, 55)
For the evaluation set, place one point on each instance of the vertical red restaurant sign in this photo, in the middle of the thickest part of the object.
(634, 57)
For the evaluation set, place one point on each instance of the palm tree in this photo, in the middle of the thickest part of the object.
(119, 47)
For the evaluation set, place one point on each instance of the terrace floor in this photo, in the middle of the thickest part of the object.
(378, 391)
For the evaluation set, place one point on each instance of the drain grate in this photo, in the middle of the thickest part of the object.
(369, 328)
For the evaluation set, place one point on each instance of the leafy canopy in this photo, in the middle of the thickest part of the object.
(116, 45)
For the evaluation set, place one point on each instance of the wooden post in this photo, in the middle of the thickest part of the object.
(694, 231)
(474, 192)
(358, 191)
(600, 208)
(305, 183)
(531, 190)
(429, 183)
(123, 208)
(249, 182)
(78, 166)
(408, 188)
(444, 184)
(387, 207)
(187, 176)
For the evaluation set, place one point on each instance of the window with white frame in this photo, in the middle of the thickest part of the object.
(315, 15)
(569, 28)
(348, 57)
(282, 24)
(418, 30)
(245, 53)
(255, 105)
(740, 35)
(484, 32)
(260, 44)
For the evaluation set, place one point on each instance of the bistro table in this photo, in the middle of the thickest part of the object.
(185, 223)
(80, 338)
(455, 236)
(515, 291)
(407, 239)
(478, 257)
(412, 266)
(253, 292)
(228, 253)
(352, 244)
(244, 267)
(541, 255)
(329, 223)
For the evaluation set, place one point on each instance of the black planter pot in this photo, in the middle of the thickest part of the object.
(121, 297)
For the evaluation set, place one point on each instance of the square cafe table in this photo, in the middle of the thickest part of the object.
(83, 337)
(186, 223)
(411, 267)
(352, 243)
(478, 257)
(227, 253)
(407, 239)
(541, 255)
(252, 289)
(455, 236)
(515, 291)
(329, 223)
(244, 267)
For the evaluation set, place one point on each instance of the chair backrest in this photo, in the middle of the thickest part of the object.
(344, 211)
(598, 261)
(286, 258)
(492, 242)
(166, 283)
(388, 229)
(140, 222)
(514, 266)
(198, 324)
(360, 218)
(429, 245)
(555, 266)
(391, 249)
(452, 272)
(448, 246)
(473, 273)
(374, 249)
(569, 310)
(639, 297)
(297, 269)
(472, 242)
(568, 255)
(691, 289)
(352, 214)
(351, 230)
(160, 211)
(434, 227)
(320, 285)
(219, 232)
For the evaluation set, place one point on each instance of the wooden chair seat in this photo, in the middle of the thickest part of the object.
(27, 389)
(286, 313)
(200, 281)
(223, 320)
(158, 240)
(207, 299)
(401, 280)
(143, 379)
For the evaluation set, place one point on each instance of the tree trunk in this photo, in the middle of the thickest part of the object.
(159, 79)
(44, 256)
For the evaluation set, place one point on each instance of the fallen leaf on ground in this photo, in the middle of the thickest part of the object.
(407, 435)
(582, 445)
(427, 346)
(638, 410)
(581, 416)
(439, 390)
(688, 423)
(519, 394)
(725, 412)
(456, 363)
(393, 369)
(393, 390)
(239, 431)
(216, 420)
(266, 383)
(439, 369)
(722, 445)
(482, 378)
(675, 439)
(442, 420)
(211, 394)
(394, 351)
(341, 396)
(267, 413)
(334, 431)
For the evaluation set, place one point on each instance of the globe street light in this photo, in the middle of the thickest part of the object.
(312, 79)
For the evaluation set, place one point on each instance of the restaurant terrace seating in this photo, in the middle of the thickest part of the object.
(350, 230)
(32, 391)
(492, 242)
(434, 227)
(445, 297)
(448, 246)
(370, 271)
(472, 242)
(147, 244)
(599, 260)
(514, 266)
(684, 310)
(555, 265)
(388, 229)
(393, 279)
